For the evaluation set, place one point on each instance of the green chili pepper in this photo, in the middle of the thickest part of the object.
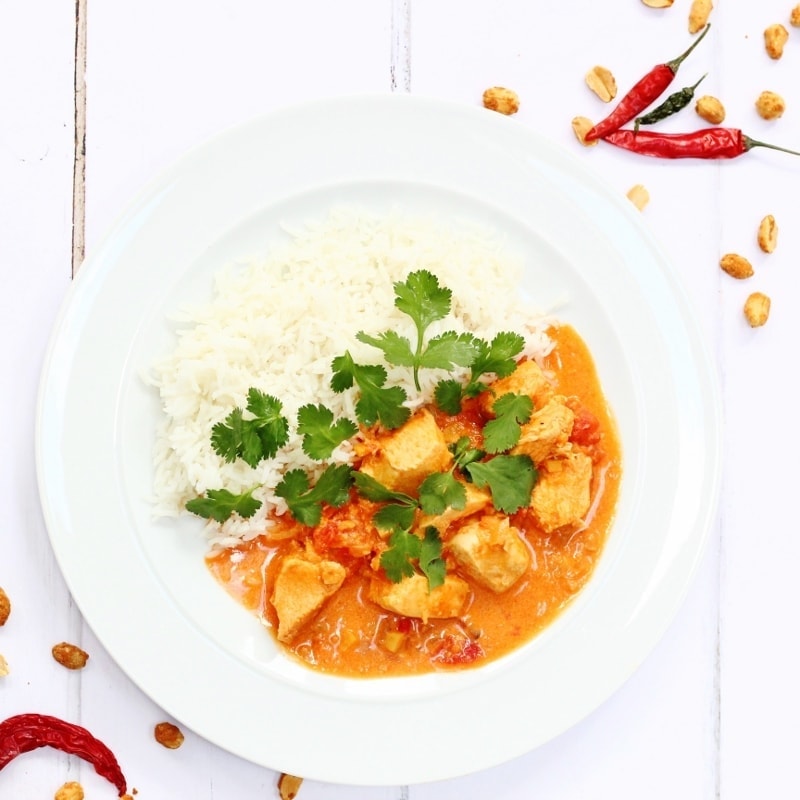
(674, 103)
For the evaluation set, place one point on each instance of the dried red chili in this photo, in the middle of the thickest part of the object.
(26, 732)
(644, 92)
(706, 143)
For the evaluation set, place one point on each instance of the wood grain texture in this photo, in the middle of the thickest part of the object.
(99, 97)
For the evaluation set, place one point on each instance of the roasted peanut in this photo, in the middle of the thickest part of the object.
(502, 100)
(70, 791)
(699, 12)
(736, 266)
(775, 37)
(168, 735)
(794, 17)
(602, 83)
(756, 309)
(768, 234)
(710, 109)
(658, 3)
(70, 655)
(4, 670)
(5, 607)
(770, 105)
(581, 126)
(639, 196)
(289, 786)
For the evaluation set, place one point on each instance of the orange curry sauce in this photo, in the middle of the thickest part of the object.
(352, 636)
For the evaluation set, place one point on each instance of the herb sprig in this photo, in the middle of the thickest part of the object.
(511, 411)
(305, 501)
(220, 504)
(321, 434)
(407, 551)
(497, 357)
(377, 403)
(422, 298)
(254, 433)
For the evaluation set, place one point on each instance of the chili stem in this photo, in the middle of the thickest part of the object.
(676, 62)
(751, 143)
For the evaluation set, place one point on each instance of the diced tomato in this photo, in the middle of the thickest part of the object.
(404, 625)
(586, 429)
(455, 650)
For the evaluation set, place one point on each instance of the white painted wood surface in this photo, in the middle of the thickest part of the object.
(712, 712)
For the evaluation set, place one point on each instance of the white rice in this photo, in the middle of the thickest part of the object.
(277, 325)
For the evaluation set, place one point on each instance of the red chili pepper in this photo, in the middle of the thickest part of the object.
(644, 92)
(26, 732)
(706, 143)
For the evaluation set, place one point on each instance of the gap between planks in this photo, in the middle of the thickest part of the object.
(79, 158)
(400, 57)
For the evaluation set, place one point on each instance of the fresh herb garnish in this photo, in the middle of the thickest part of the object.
(422, 298)
(252, 434)
(259, 430)
(321, 435)
(407, 550)
(510, 480)
(463, 453)
(397, 514)
(497, 357)
(441, 490)
(219, 504)
(511, 411)
(305, 501)
(377, 403)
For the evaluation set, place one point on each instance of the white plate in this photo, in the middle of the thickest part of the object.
(142, 585)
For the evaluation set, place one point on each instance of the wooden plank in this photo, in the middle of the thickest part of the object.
(162, 79)
(36, 161)
(658, 733)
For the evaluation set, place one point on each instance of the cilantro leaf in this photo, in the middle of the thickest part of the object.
(448, 395)
(449, 349)
(396, 348)
(463, 454)
(374, 490)
(398, 560)
(377, 402)
(394, 517)
(398, 514)
(321, 435)
(502, 433)
(498, 357)
(430, 558)
(405, 549)
(344, 375)
(252, 438)
(425, 301)
(510, 480)
(421, 297)
(305, 501)
(220, 504)
(439, 491)
(226, 437)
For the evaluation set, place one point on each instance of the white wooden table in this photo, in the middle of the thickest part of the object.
(100, 96)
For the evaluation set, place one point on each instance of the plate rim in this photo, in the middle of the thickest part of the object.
(415, 105)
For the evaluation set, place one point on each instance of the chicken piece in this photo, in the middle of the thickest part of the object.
(548, 428)
(406, 456)
(491, 551)
(301, 588)
(412, 598)
(477, 500)
(527, 378)
(562, 494)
